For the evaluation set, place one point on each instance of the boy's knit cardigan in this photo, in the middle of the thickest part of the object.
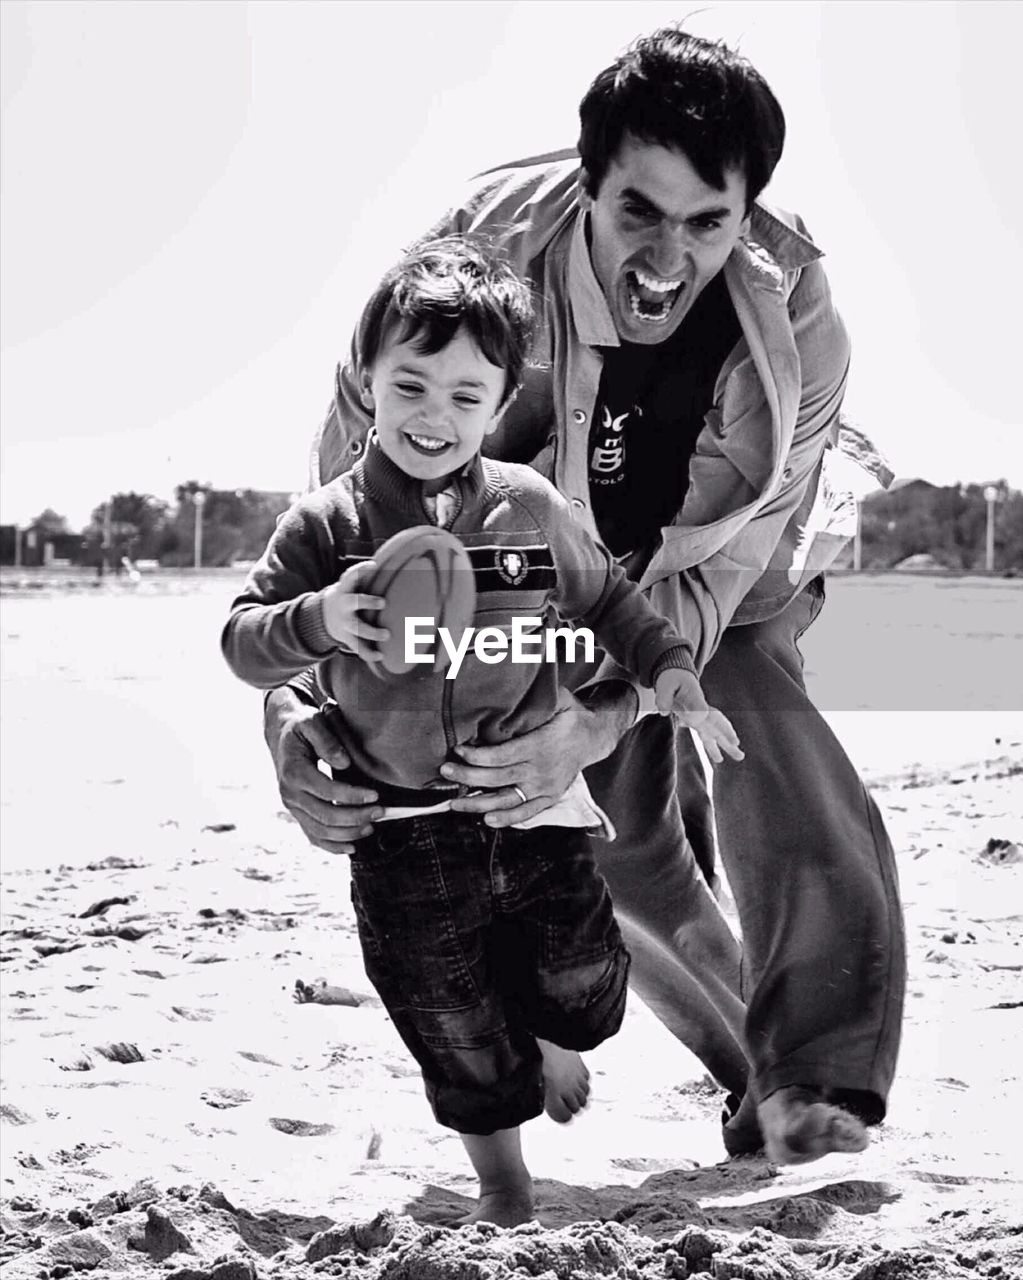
(530, 560)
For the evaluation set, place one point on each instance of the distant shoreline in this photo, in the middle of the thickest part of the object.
(83, 578)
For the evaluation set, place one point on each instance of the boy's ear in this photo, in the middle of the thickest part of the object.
(366, 389)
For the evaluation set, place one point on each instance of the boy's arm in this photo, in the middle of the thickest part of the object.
(275, 630)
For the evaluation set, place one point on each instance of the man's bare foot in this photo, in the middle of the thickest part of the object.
(799, 1126)
(507, 1207)
(566, 1082)
(323, 992)
(740, 1128)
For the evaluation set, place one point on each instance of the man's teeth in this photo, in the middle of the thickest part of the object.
(657, 286)
(651, 300)
(428, 442)
(649, 317)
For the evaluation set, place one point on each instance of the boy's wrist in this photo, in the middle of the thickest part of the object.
(311, 623)
(679, 658)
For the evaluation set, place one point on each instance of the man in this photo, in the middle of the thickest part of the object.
(692, 368)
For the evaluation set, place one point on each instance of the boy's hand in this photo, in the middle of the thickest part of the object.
(678, 691)
(718, 737)
(343, 603)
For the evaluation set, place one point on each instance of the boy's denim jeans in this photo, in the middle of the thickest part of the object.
(480, 941)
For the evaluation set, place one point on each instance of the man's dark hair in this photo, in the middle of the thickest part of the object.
(441, 286)
(696, 96)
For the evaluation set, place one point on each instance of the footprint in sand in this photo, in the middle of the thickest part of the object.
(300, 1128)
(323, 992)
(121, 1051)
(225, 1099)
(14, 1115)
(250, 1056)
(192, 1015)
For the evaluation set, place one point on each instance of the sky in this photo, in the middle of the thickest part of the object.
(197, 199)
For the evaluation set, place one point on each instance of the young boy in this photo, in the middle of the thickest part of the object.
(487, 947)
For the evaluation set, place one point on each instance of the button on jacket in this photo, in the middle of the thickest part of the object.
(761, 515)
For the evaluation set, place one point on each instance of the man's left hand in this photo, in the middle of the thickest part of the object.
(526, 775)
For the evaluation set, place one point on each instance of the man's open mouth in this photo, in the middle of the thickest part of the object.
(428, 445)
(651, 299)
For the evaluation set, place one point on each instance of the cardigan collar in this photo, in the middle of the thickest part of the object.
(385, 481)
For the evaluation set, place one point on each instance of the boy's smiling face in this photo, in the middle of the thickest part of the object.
(432, 411)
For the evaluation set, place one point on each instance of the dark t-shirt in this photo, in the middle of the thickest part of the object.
(650, 409)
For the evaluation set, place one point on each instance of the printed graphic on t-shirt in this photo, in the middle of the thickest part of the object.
(607, 461)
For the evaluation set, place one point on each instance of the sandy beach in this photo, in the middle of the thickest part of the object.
(170, 1109)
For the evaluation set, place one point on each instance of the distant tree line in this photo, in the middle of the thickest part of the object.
(236, 524)
(948, 524)
(912, 518)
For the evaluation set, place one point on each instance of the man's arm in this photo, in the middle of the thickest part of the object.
(701, 600)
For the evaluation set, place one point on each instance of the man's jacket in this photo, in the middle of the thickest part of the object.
(760, 516)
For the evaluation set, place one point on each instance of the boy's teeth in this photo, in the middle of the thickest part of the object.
(427, 442)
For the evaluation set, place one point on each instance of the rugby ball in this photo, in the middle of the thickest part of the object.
(423, 572)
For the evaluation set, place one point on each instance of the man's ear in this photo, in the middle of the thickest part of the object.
(744, 226)
(495, 421)
(582, 193)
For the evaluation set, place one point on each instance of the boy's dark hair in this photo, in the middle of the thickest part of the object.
(695, 96)
(441, 286)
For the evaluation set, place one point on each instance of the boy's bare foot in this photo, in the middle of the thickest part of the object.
(506, 1207)
(506, 1189)
(566, 1082)
(799, 1126)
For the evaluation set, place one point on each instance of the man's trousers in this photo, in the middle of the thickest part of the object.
(821, 967)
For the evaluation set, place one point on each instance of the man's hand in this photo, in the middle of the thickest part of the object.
(331, 814)
(677, 692)
(343, 604)
(526, 775)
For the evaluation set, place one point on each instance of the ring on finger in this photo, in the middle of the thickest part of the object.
(521, 794)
